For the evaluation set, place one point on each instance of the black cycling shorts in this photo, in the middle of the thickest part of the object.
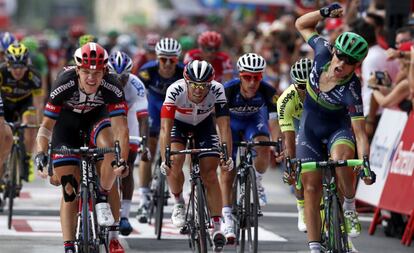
(204, 134)
(69, 129)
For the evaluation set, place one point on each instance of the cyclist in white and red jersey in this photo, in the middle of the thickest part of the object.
(120, 64)
(209, 43)
(85, 98)
(188, 107)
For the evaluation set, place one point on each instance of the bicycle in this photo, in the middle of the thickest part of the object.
(197, 218)
(15, 170)
(246, 208)
(334, 236)
(89, 235)
(159, 197)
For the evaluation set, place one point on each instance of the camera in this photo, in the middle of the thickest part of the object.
(380, 77)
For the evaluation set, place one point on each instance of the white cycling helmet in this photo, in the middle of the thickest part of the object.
(300, 70)
(251, 62)
(168, 47)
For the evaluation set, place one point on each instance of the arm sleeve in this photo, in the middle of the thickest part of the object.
(269, 93)
(139, 99)
(221, 107)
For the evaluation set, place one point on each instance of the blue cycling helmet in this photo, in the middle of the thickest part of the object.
(119, 63)
(6, 39)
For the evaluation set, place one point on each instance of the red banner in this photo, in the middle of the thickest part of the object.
(398, 190)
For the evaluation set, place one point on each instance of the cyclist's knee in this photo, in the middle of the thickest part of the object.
(209, 176)
(70, 187)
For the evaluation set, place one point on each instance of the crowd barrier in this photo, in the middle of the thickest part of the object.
(392, 159)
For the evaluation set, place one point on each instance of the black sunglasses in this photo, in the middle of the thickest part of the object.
(345, 58)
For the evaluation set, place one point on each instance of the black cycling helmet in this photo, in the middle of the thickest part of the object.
(199, 72)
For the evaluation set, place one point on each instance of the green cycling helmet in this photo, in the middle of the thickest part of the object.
(85, 39)
(352, 44)
(31, 43)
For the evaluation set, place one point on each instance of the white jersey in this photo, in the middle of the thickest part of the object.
(178, 106)
(136, 99)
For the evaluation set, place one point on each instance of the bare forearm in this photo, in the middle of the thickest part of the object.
(121, 134)
(290, 149)
(308, 21)
(223, 124)
(165, 137)
(275, 129)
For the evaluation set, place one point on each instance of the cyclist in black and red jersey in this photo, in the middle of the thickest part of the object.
(85, 98)
(21, 91)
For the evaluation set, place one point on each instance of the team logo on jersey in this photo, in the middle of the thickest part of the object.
(174, 93)
(62, 88)
(144, 75)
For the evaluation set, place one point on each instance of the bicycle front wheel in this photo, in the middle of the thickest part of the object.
(201, 217)
(252, 223)
(160, 195)
(336, 237)
(85, 247)
(14, 167)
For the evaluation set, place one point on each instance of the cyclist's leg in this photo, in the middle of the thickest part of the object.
(258, 130)
(342, 146)
(176, 178)
(30, 117)
(206, 137)
(226, 184)
(127, 192)
(309, 148)
(6, 141)
(144, 171)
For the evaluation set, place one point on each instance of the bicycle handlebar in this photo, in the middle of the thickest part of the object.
(303, 167)
(86, 151)
(250, 144)
(194, 151)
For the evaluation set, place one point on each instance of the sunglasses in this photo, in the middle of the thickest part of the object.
(210, 49)
(345, 58)
(171, 60)
(201, 86)
(250, 77)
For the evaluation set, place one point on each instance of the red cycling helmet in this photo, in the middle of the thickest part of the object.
(210, 39)
(77, 30)
(91, 56)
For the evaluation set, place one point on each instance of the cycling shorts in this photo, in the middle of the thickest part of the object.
(15, 110)
(246, 129)
(317, 138)
(68, 129)
(204, 134)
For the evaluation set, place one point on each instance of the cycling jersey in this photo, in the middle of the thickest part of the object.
(13, 91)
(75, 111)
(221, 62)
(66, 95)
(326, 118)
(290, 108)
(178, 106)
(156, 88)
(344, 98)
(243, 108)
(137, 107)
(249, 117)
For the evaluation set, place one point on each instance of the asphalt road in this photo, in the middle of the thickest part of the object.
(36, 226)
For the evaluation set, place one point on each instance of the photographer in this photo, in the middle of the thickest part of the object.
(397, 96)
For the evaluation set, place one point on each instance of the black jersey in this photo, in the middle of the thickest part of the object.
(66, 95)
(15, 91)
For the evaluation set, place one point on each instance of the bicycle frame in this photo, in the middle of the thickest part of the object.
(89, 235)
(197, 221)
